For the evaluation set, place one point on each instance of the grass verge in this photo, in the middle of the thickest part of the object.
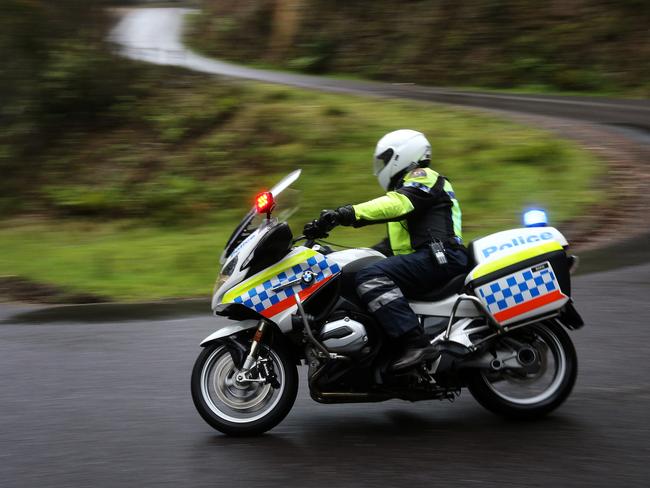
(141, 211)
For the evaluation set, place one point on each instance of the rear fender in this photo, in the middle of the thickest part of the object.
(570, 318)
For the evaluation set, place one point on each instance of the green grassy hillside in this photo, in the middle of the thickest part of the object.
(142, 209)
(123, 180)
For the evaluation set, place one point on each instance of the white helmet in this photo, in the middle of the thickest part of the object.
(399, 151)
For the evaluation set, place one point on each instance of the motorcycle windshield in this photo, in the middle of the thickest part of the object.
(286, 204)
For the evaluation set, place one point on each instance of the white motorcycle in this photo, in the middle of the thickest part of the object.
(500, 329)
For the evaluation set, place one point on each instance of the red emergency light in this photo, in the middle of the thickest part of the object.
(264, 203)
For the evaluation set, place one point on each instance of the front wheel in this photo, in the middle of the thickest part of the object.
(542, 387)
(242, 408)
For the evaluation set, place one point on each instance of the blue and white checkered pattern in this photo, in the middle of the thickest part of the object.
(518, 287)
(262, 297)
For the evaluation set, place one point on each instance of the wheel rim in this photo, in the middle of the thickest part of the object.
(233, 401)
(540, 386)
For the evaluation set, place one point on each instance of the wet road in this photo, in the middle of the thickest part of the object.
(108, 404)
(154, 35)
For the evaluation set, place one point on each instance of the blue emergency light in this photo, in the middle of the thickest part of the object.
(535, 218)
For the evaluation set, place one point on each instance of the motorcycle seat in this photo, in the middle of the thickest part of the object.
(453, 286)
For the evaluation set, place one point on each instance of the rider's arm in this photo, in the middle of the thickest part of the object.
(417, 193)
(387, 208)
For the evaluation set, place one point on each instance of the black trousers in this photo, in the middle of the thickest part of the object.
(386, 286)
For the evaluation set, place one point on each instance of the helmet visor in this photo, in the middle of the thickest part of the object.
(383, 159)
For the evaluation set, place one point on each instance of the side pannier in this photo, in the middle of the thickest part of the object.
(530, 283)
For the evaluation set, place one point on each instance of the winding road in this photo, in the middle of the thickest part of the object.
(99, 395)
(617, 130)
(155, 35)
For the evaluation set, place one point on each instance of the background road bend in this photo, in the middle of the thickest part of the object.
(618, 131)
(155, 35)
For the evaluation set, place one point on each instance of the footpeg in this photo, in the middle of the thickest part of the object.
(448, 354)
(414, 357)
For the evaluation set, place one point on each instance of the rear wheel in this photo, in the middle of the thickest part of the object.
(237, 407)
(536, 389)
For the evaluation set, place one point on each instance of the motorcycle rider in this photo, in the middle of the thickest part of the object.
(424, 239)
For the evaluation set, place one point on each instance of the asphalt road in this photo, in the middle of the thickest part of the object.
(107, 404)
(154, 35)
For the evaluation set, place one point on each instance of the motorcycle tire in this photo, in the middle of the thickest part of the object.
(531, 408)
(237, 409)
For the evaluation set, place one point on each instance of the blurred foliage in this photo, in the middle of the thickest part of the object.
(561, 45)
(57, 76)
(192, 147)
(142, 209)
(124, 180)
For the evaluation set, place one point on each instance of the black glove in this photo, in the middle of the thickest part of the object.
(328, 220)
(346, 215)
(341, 216)
(313, 230)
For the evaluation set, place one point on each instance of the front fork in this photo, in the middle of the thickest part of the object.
(265, 372)
(252, 354)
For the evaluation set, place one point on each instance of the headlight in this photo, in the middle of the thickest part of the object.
(221, 279)
(225, 273)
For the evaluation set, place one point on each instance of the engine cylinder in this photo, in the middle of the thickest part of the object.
(344, 336)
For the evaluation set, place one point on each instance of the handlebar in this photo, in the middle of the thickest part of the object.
(308, 242)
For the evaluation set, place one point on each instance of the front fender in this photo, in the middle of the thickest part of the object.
(229, 330)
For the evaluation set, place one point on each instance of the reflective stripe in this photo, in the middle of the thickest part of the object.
(491, 266)
(415, 184)
(385, 299)
(267, 274)
(456, 214)
(370, 285)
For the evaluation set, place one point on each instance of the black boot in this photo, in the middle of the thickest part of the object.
(416, 349)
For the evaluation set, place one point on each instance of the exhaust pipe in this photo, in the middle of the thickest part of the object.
(526, 356)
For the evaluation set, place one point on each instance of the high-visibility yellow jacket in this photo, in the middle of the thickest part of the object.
(423, 208)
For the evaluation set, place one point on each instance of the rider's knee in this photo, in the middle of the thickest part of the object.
(367, 273)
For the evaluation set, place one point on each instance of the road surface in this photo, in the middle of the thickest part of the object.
(107, 404)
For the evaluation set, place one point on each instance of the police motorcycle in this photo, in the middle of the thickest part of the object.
(499, 329)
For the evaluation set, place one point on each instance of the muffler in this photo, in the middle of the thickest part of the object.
(526, 356)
